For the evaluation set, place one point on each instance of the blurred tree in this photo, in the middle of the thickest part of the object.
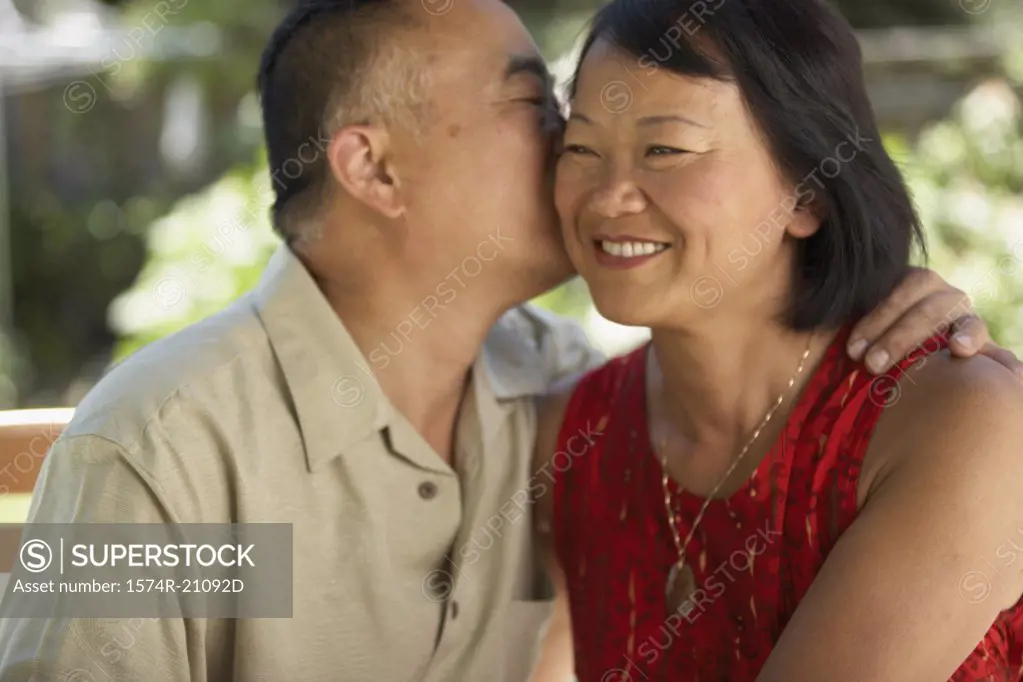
(95, 161)
(209, 250)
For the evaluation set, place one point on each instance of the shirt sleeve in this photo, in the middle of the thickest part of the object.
(89, 479)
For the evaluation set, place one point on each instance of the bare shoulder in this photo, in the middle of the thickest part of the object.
(952, 414)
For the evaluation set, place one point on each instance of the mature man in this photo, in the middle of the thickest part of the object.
(373, 390)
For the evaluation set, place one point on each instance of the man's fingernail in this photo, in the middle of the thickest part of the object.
(964, 340)
(857, 347)
(878, 360)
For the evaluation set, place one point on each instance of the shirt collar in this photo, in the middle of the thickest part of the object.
(337, 399)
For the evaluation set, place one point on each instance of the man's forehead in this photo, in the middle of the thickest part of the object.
(481, 25)
(490, 66)
(482, 43)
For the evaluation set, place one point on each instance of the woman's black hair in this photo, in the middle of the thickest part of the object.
(798, 66)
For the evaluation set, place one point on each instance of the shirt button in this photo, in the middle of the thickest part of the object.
(454, 610)
(428, 490)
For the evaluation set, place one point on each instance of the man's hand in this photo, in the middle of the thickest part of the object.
(922, 305)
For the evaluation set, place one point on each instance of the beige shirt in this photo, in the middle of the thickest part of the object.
(267, 412)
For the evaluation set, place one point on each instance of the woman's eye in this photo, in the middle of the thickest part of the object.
(661, 150)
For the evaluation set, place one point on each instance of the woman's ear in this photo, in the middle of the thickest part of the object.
(360, 160)
(807, 216)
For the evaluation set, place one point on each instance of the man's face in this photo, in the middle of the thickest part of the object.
(479, 180)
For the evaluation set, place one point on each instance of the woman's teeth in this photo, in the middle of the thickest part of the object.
(631, 249)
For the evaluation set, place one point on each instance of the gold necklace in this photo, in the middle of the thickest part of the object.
(681, 582)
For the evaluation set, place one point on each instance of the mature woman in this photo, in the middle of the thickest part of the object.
(758, 506)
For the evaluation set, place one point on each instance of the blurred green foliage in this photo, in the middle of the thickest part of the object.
(89, 175)
(966, 174)
(209, 250)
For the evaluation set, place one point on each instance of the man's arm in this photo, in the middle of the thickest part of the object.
(919, 307)
(913, 585)
(88, 479)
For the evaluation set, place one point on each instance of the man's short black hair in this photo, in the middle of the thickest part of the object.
(318, 72)
(799, 68)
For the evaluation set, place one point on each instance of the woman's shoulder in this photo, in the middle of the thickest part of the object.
(950, 412)
(951, 462)
(953, 396)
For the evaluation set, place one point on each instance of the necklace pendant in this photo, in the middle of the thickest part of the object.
(681, 586)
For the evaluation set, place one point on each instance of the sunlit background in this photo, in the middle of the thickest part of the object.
(133, 187)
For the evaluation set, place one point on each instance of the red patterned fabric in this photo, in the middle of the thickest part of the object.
(754, 554)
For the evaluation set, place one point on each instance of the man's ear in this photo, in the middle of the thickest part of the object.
(361, 162)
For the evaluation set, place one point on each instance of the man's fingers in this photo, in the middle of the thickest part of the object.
(969, 335)
(919, 287)
(918, 324)
(896, 342)
(1004, 357)
(920, 307)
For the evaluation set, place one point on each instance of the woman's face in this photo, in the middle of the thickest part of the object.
(670, 203)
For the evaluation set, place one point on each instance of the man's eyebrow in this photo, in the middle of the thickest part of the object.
(522, 63)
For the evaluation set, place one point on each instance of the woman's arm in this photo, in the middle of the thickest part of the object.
(556, 658)
(914, 584)
(556, 662)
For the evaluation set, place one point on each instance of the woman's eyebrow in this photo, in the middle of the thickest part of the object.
(646, 120)
(669, 118)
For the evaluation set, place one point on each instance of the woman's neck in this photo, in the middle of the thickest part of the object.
(715, 384)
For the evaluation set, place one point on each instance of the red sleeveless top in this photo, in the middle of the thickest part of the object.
(754, 554)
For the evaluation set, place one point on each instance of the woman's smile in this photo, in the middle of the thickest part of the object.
(625, 251)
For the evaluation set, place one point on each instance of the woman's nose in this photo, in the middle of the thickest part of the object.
(617, 195)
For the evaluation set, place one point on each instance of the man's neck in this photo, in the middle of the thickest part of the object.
(421, 354)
